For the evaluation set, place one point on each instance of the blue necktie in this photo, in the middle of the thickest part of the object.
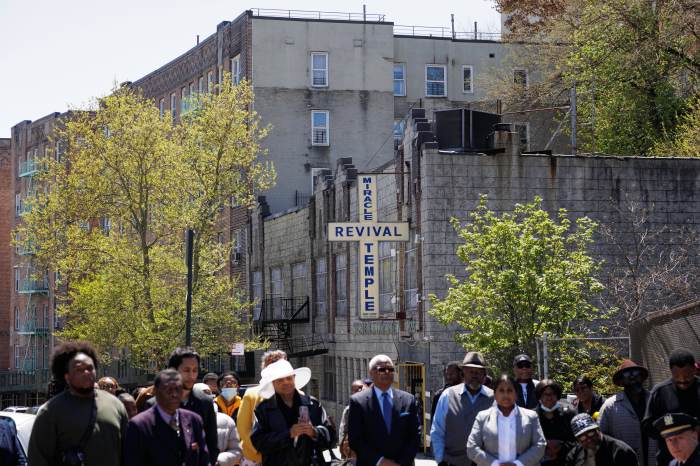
(386, 410)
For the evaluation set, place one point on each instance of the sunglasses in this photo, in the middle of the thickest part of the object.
(384, 370)
(631, 374)
(523, 365)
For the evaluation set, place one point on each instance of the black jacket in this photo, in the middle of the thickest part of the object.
(532, 400)
(271, 435)
(694, 459)
(611, 452)
(205, 408)
(596, 404)
(558, 428)
(368, 433)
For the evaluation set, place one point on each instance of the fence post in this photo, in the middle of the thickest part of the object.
(546, 355)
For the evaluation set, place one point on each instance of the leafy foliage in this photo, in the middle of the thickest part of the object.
(635, 65)
(110, 218)
(526, 273)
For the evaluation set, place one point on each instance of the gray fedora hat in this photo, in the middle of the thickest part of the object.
(474, 359)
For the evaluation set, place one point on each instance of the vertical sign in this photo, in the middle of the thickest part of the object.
(368, 232)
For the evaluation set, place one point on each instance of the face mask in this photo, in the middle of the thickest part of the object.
(550, 410)
(228, 393)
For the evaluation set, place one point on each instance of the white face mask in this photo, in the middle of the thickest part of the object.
(550, 410)
(228, 393)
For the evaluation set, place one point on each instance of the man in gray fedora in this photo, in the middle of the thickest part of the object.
(456, 410)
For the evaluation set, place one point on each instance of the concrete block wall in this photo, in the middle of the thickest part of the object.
(590, 186)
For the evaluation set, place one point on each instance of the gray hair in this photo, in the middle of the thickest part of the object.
(379, 358)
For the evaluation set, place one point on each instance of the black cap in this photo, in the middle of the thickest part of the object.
(521, 358)
(582, 423)
(209, 376)
(674, 423)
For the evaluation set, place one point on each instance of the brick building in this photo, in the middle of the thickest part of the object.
(6, 205)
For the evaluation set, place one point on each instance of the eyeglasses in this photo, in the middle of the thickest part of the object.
(385, 369)
(588, 435)
(523, 365)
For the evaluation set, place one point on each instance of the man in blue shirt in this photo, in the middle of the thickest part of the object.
(456, 410)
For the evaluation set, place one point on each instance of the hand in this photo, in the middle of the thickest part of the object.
(387, 462)
(302, 429)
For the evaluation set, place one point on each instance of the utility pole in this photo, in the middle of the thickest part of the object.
(188, 304)
(452, 20)
(573, 120)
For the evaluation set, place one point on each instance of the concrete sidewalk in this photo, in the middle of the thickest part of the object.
(421, 460)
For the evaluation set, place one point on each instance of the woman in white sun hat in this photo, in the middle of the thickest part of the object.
(291, 428)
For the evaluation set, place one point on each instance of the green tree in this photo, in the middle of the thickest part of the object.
(526, 273)
(110, 218)
(634, 63)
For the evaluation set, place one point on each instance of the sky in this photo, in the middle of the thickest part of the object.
(58, 54)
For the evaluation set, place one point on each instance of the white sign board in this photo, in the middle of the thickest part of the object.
(238, 349)
(368, 232)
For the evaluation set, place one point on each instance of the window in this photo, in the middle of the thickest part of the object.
(257, 293)
(435, 80)
(520, 78)
(183, 101)
(299, 279)
(200, 85)
(59, 151)
(173, 105)
(341, 295)
(16, 318)
(236, 69)
(399, 79)
(18, 354)
(46, 316)
(161, 107)
(319, 69)
(321, 275)
(276, 291)
(210, 81)
(387, 271)
(523, 131)
(16, 279)
(220, 75)
(399, 127)
(329, 388)
(106, 225)
(411, 288)
(468, 79)
(319, 128)
(18, 205)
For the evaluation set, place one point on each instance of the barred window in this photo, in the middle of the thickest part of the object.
(320, 128)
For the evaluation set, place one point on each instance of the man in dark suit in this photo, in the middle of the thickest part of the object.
(166, 435)
(522, 368)
(185, 360)
(383, 426)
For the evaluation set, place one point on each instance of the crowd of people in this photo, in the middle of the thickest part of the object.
(510, 420)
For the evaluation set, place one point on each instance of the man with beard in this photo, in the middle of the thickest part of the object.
(453, 376)
(456, 410)
(679, 394)
(80, 425)
(621, 415)
(595, 448)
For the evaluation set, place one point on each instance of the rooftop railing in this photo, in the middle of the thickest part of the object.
(444, 33)
(327, 15)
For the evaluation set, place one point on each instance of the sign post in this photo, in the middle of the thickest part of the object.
(368, 232)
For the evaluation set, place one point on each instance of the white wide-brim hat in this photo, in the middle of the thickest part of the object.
(279, 370)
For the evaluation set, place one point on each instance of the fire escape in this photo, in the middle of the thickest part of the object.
(34, 284)
(278, 318)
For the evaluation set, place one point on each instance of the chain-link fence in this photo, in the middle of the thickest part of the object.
(655, 336)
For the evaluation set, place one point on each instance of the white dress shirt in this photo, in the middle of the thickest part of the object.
(507, 448)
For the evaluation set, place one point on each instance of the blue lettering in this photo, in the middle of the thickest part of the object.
(369, 306)
(369, 271)
(369, 259)
(369, 281)
(368, 246)
(360, 230)
(377, 231)
(368, 216)
(338, 231)
(366, 180)
(387, 231)
(349, 231)
(396, 231)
